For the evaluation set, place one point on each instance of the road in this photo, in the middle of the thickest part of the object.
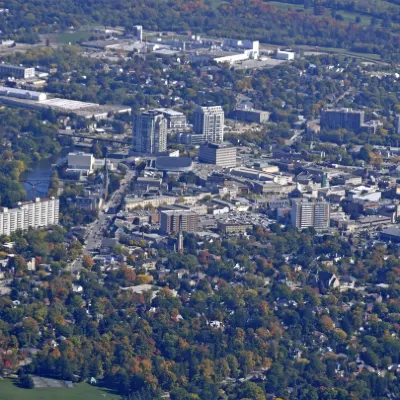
(95, 230)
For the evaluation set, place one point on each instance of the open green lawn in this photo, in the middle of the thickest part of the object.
(82, 391)
(73, 37)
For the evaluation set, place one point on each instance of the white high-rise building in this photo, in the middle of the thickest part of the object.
(138, 30)
(209, 122)
(150, 132)
(306, 214)
(37, 214)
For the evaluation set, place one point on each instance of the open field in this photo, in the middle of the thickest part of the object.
(82, 391)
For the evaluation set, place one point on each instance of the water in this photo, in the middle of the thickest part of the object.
(37, 181)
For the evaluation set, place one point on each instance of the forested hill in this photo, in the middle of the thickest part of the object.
(315, 22)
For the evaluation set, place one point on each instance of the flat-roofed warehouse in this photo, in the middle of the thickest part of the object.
(39, 101)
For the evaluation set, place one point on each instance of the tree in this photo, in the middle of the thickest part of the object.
(87, 262)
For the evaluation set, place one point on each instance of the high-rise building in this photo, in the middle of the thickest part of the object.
(218, 154)
(397, 123)
(306, 214)
(150, 132)
(209, 122)
(36, 214)
(342, 118)
(138, 32)
(179, 221)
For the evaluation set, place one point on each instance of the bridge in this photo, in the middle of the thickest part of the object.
(91, 137)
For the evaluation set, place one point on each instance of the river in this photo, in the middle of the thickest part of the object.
(37, 180)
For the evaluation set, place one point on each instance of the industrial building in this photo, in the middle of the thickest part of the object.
(81, 161)
(209, 122)
(310, 214)
(36, 214)
(285, 55)
(218, 154)
(16, 71)
(40, 101)
(150, 132)
(179, 221)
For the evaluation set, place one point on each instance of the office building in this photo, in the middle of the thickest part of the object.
(179, 221)
(306, 214)
(218, 154)
(150, 132)
(343, 118)
(246, 115)
(17, 71)
(209, 122)
(81, 161)
(36, 214)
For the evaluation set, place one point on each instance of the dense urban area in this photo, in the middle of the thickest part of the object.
(200, 200)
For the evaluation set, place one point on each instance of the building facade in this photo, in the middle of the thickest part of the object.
(16, 71)
(81, 161)
(150, 132)
(343, 118)
(179, 221)
(36, 214)
(223, 156)
(209, 122)
(307, 214)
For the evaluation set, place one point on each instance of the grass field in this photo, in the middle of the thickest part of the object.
(73, 37)
(83, 391)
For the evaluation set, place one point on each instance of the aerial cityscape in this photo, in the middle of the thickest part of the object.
(200, 200)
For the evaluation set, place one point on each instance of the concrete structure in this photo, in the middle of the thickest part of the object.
(81, 161)
(40, 213)
(256, 116)
(392, 234)
(22, 94)
(178, 221)
(16, 71)
(285, 55)
(231, 228)
(342, 118)
(150, 132)
(173, 164)
(209, 122)
(397, 123)
(306, 214)
(217, 154)
(138, 32)
(175, 119)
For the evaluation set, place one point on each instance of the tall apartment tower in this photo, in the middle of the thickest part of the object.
(306, 214)
(342, 118)
(179, 221)
(209, 122)
(150, 132)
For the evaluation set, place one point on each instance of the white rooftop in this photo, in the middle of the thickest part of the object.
(67, 104)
